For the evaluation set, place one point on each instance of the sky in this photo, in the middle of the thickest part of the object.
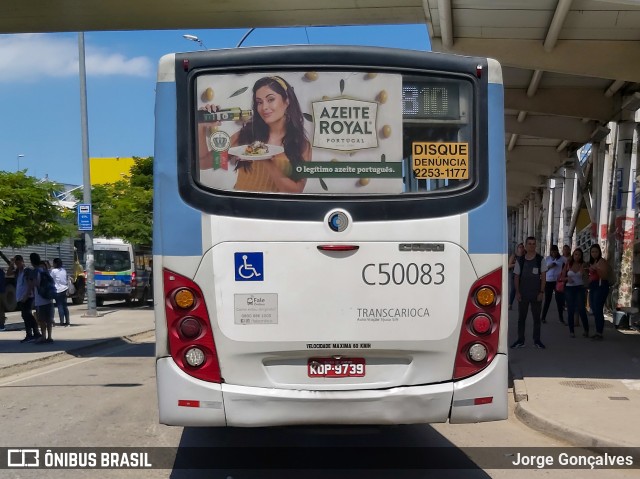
(40, 87)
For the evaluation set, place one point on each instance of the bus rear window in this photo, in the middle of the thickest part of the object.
(347, 133)
(112, 260)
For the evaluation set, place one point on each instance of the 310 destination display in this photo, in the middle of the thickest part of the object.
(431, 100)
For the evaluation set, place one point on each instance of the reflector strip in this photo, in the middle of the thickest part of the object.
(473, 402)
(200, 404)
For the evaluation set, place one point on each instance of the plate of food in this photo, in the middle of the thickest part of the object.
(257, 150)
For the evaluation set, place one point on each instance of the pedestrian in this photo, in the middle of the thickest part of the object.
(555, 263)
(3, 318)
(512, 263)
(61, 281)
(24, 295)
(43, 305)
(599, 272)
(530, 283)
(574, 291)
(46, 266)
(566, 253)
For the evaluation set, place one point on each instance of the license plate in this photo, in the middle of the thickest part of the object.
(336, 368)
(118, 290)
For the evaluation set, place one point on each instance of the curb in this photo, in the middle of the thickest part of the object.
(531, 418)
(60, 356)
(519, 386)
(520, 390)
(528, 416)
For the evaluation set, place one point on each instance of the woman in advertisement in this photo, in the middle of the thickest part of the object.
(277, 126)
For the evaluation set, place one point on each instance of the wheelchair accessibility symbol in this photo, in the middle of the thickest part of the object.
(249, 266)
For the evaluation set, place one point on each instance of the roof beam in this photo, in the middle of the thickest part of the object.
(520, 186)
(521, 183)
(20, 16)
(528, 167)
(536, 78)
(601, 59)
(613, 88)
(535, 156)
(559, 17)
(513, 201)
(446, 22)
(523, 174)
(542, 126)
(574, 102)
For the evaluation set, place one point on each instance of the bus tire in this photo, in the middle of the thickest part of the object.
(10, 301)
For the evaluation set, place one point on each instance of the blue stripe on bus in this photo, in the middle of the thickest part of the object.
(177, 227)
(488, 223)
(125, 278)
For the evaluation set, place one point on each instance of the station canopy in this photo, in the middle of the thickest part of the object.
(570, 66)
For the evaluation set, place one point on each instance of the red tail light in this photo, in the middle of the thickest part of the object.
(133, 279)
(480, 331)
(189, 329)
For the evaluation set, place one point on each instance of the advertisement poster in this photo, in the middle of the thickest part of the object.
(300, 132)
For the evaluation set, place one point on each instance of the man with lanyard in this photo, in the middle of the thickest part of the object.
(555, 263)
(529, 280)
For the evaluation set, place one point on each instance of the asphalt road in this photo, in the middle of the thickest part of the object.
(109, 400)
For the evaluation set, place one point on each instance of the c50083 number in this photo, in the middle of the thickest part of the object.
(383, 274)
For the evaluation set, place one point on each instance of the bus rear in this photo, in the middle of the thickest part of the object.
(329, 238)
(114, 264)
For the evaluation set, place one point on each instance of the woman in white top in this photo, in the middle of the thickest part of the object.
(574, 291)
(60, 279)
(555, 264)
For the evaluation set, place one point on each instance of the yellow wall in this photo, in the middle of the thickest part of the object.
(109, 170)
(583, 220)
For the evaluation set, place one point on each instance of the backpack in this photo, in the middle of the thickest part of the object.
(538, 262)
(47, 288)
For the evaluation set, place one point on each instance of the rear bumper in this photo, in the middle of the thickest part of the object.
(114, 296)
(229, 405)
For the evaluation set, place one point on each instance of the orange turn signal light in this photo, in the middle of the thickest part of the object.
(184, 298)
(485, 296)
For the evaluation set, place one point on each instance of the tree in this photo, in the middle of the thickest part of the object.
(29, 213)
(125, 208)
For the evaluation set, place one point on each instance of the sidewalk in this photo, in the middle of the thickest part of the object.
(582, 391)
(114, 324)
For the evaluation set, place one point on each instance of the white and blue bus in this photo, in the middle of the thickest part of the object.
(329, 237)
(122, 271)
